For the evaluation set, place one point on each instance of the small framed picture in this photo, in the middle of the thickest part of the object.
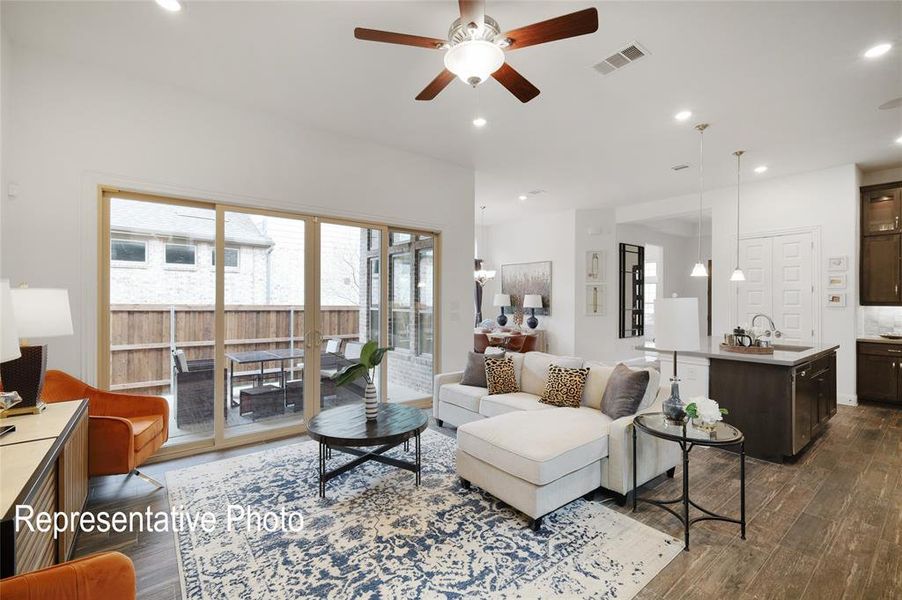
(596, 305)
(595, 260)
(836, 300)
(836, 281)
(838, 263)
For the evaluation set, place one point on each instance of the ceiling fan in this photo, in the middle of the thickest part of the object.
(475, 46)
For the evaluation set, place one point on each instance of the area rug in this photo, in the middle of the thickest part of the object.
(376, 535)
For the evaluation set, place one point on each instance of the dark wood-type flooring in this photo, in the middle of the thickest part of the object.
(827, 526)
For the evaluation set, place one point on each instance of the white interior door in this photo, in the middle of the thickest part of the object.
(756, 294)
(779, 283)
(793, 295)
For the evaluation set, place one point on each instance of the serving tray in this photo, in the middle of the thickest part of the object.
(746, 349)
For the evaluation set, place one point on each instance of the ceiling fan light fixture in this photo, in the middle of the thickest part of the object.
(474, 61)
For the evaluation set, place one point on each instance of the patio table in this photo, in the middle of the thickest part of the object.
(279, 355)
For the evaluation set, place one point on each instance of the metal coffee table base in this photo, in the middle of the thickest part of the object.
(325, 453)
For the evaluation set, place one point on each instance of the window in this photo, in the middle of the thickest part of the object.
(424, 301)
(373, 286)
(231, 258)
(395, 238)
(180, 254)
(399, 328)
(128, 251)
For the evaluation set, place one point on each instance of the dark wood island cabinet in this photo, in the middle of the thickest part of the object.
(781, 408)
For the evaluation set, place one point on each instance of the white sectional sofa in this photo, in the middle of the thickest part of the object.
(538, 457)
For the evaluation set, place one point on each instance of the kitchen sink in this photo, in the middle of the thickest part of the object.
(788, 348)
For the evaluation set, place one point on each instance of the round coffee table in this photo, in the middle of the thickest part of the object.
(687, 436)
(346, 429)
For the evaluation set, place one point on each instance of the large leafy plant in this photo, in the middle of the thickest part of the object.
(370, 357)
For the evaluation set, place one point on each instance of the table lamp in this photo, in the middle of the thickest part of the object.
(502, 300)
(676, 330)
(39, 313)
(532, 302)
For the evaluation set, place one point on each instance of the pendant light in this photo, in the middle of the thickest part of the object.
(699, 270)
(480, 275)
(738, 275)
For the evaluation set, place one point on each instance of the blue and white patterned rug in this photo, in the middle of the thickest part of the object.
(376, 535)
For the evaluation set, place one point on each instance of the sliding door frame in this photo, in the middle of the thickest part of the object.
(312, 305)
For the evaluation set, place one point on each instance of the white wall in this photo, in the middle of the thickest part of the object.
(883, 176)
(547, 237)
(825, 201)
(73, 127)
(596, 336)
(680, 255)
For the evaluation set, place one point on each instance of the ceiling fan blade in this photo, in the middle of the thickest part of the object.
(515, 83)
(436, 85)
(472, 11)
(389, 37)
(559, 28)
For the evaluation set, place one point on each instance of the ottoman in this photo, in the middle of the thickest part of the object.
(535, 461)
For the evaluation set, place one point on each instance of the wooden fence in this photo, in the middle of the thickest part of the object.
(144, 335)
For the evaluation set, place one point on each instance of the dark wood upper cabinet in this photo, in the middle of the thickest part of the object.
(880, 269)
(880, 260)
(881, 212)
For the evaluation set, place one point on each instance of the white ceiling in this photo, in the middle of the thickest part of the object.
(784, 81)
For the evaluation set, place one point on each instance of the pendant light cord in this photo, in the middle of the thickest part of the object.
(738, 198)
(701, 185)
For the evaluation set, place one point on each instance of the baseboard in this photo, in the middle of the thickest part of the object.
(847, 399)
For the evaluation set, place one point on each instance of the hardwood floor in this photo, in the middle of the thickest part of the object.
(827, 526)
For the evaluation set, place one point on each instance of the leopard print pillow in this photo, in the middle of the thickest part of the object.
(564, 387)
(500, 376)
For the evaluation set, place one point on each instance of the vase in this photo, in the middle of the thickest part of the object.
(673, 410)
(370, 402)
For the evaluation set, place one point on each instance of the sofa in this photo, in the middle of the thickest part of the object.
(537, 457)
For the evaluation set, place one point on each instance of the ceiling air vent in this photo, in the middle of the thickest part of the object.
(623, 57)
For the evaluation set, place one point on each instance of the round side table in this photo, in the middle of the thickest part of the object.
(689, 437)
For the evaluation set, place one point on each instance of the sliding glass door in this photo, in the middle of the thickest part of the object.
(161, 297)
(240, 317)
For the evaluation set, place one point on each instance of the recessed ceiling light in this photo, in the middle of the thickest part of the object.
(761, 169)
(521, 197)
(479, 122)
(170, 5)
(878, 50)
(683, 115)
(899, 140)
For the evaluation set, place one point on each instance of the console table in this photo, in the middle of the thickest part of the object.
(43, 464)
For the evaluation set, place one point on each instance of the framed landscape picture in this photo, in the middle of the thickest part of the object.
(528, 278)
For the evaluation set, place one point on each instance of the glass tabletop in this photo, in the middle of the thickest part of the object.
(655, 424)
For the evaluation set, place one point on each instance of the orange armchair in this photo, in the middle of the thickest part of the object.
(124, 430)
(107, 576)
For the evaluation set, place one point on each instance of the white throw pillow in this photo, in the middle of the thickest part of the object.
(597, 381)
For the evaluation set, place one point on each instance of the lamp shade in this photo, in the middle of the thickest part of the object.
(9, 336)
(532, 301)
(676, 324)
(502, 300)
(42, 312)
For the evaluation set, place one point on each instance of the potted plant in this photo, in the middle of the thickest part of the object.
(370, 357)
(705, 413)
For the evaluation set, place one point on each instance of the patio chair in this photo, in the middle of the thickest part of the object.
(193, 389)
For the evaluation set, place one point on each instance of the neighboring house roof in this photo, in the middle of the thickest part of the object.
(148, 218)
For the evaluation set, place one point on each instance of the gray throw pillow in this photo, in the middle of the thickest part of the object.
(474, 372)
(624, 392)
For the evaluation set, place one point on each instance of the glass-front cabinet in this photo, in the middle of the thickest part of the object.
(881, 212)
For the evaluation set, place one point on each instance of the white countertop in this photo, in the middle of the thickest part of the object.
(876, 339)
(710, 348)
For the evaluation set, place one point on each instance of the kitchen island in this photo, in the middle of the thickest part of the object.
(780, 401)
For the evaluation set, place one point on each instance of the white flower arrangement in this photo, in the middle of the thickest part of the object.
(705, 410)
